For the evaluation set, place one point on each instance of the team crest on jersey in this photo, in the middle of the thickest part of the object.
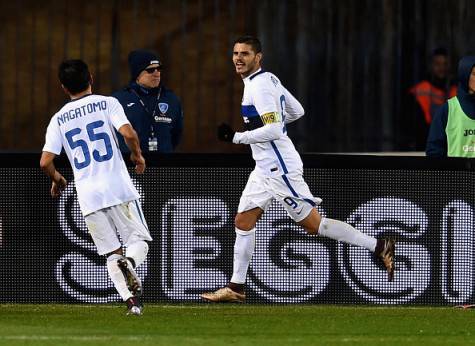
(163, 107)
(274, 80)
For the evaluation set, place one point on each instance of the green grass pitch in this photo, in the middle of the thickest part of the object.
(207, 324)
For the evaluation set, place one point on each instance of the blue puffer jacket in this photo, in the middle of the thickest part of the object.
(437, 140)
(167, 123)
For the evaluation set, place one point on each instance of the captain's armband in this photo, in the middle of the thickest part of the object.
(270, 118)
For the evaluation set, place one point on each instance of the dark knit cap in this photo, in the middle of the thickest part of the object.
(139, 60)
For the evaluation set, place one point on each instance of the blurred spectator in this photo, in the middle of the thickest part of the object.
(423, 99)
(452, 132)
(154, 111)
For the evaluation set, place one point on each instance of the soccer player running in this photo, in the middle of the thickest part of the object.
(84, 127)
(267, 106)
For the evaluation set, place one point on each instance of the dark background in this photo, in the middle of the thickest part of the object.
(349, 62)
(33, 242)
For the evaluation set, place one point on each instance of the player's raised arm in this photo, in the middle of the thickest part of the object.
(271, 119)
(263, 134)
(132, 141)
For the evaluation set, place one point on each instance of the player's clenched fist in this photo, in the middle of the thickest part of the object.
(225, 133)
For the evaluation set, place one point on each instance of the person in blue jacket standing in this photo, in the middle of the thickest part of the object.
(452, 132)
(154, 111)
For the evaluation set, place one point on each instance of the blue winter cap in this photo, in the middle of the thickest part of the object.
(139, 60)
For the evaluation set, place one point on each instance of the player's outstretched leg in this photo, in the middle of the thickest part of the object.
(341, 231)
(385, 250)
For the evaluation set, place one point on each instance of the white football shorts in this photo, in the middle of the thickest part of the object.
(290, 190)
(124, 219)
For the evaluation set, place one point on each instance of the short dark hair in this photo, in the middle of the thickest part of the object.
(250, 40)
(74, 75)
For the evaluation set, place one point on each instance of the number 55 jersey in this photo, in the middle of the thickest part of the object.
(84, 127)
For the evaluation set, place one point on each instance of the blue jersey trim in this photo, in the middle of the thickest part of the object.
(309, 201)
(140, 214)
(287, 182)
(257, 74)
(79, 98)
(249, 111)
(279, 157)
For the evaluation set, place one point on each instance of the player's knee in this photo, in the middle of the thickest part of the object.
(115, 252)
(243, 223)
(143, 246)
(311, 230)
(138, 252)
(311, 223)
(112, 258)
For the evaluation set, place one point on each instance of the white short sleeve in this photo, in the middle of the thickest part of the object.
(116, 114)
(53, 141)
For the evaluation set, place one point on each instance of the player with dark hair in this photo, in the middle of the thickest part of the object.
(74, 75)
(267, 106)
(250, 41)
(84, 127)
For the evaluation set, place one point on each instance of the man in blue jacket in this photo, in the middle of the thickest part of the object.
(452, 132)
(154, 111)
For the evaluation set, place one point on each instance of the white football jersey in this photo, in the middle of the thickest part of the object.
(266, 107)
(85, 129)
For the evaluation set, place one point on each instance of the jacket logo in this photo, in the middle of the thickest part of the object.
(470, 132)
(130, 104)
(163, 119)
(163, 107)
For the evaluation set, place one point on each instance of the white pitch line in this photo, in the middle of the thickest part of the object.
(73, 337)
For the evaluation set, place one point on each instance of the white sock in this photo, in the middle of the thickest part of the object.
(344, 232)
(243, 250)
(137, 251)
(117, 277)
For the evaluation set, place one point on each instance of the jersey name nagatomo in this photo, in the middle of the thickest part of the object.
(266, 107)
(85, 129)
